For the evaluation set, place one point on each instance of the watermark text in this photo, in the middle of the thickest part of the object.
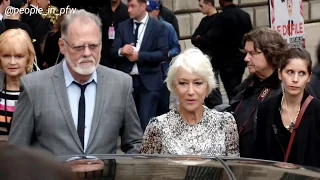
(36, 10)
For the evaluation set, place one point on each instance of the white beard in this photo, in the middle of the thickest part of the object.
(87, 70)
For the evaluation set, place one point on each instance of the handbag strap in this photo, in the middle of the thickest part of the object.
(296, 125)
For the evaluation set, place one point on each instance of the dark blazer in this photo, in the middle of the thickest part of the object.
(306, 146)
(47, 123)
(2, 27)
(154, 50)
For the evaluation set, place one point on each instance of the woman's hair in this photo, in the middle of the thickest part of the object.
(15, 41)
(194, 61)
(30, 164)
(270, 42)
(296, 53)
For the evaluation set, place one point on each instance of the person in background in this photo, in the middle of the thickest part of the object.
(51, 52)
(192, 128)
(40, 27)
(14, 20)
(19, 163)
(168, 16)
(140, 46)
(263, 47)
(77, 107)
(3, 6)
(315, 79)
(228, 43)
(291, 114)
(114, 12)
(153, 8)
(16, 60)
(202, 39)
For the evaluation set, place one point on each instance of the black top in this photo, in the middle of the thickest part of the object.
(51, 49)
(110, 18)
(14, 24)
(233, 23)
(205, 41)
(282, 137)
(306, 145)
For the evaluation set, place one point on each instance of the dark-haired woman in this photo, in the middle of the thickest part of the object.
(288, 126)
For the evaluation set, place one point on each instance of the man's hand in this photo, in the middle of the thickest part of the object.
(127, 50)
(133, 57)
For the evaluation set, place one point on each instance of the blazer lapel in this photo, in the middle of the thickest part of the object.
(62, 97)
(147, 33)
(102, 89)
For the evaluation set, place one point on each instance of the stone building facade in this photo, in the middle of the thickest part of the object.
(188, 15)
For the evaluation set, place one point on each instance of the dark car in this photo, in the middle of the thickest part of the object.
(152, 167)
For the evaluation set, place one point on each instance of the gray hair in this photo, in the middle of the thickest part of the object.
(81, 15)
(194, 61)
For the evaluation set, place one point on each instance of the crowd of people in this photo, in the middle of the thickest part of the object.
(113, 74)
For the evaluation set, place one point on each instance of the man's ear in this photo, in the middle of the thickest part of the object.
(61, 44)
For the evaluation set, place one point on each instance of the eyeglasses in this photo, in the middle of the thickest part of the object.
(92, 47)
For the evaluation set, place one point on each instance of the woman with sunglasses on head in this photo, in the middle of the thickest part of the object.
(288, 126)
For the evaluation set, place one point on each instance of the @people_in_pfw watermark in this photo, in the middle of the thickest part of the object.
(30, 11)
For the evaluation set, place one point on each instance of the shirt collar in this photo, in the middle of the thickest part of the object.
(144, 20)
(69, 78)
(33, 6)
(1, 17)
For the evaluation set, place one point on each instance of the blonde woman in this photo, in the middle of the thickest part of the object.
(16, 60)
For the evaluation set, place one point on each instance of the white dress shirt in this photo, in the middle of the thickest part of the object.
(141, 31)
(74, 93)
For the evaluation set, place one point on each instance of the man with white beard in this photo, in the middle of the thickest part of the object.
(78, 106)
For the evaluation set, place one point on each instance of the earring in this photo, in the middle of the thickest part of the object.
(282, 88)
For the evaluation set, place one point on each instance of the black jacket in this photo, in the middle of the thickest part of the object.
(315, 81)
(245, 105)
(306, 146)
(231, 24)
(168, 16)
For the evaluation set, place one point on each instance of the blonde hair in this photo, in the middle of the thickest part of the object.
(13, 41)
(194, 61)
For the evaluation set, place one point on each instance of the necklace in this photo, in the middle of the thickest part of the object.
(293, 120)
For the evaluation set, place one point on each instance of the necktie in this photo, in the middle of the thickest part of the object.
(136, 32)
(81, 112)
